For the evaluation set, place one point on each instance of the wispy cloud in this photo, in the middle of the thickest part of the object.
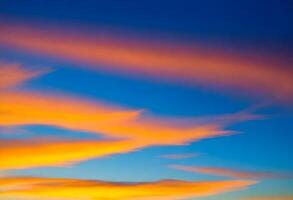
(233, 173)
(126, 125)
(56, 152)
(25, 108)
(29, 108)
(276, 197)
(179, 156)
(54, 188)
(13, 74)
(209, 67)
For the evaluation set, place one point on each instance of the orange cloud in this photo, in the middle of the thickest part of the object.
(13, 74)
(179, 156)
(257, 74)
(133, 130)
(56, 152)
(26, 108)
(67, 189)
(67, 112)
(239, 174)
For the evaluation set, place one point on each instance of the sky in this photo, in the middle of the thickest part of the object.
(146, 100)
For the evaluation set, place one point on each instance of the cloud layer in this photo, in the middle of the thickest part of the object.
(56, 152)
(124, 130)
(257, 75)
(69, 189)
(233, 173)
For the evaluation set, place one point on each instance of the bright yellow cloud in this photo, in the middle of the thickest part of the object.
(25, 108)
(30, 108)
(56, 152)
(129, 128)
(69, 189)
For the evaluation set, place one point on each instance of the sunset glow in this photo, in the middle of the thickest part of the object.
(146, 100)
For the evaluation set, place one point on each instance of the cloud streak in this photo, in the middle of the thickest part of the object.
(212, 68)
(68, 189)
(280, 197)
(28, 108)
(13, 74)
(179, 156)
(56, 152)
(128, 128)
(232, 173)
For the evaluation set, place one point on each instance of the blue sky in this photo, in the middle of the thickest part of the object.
(256, 27)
